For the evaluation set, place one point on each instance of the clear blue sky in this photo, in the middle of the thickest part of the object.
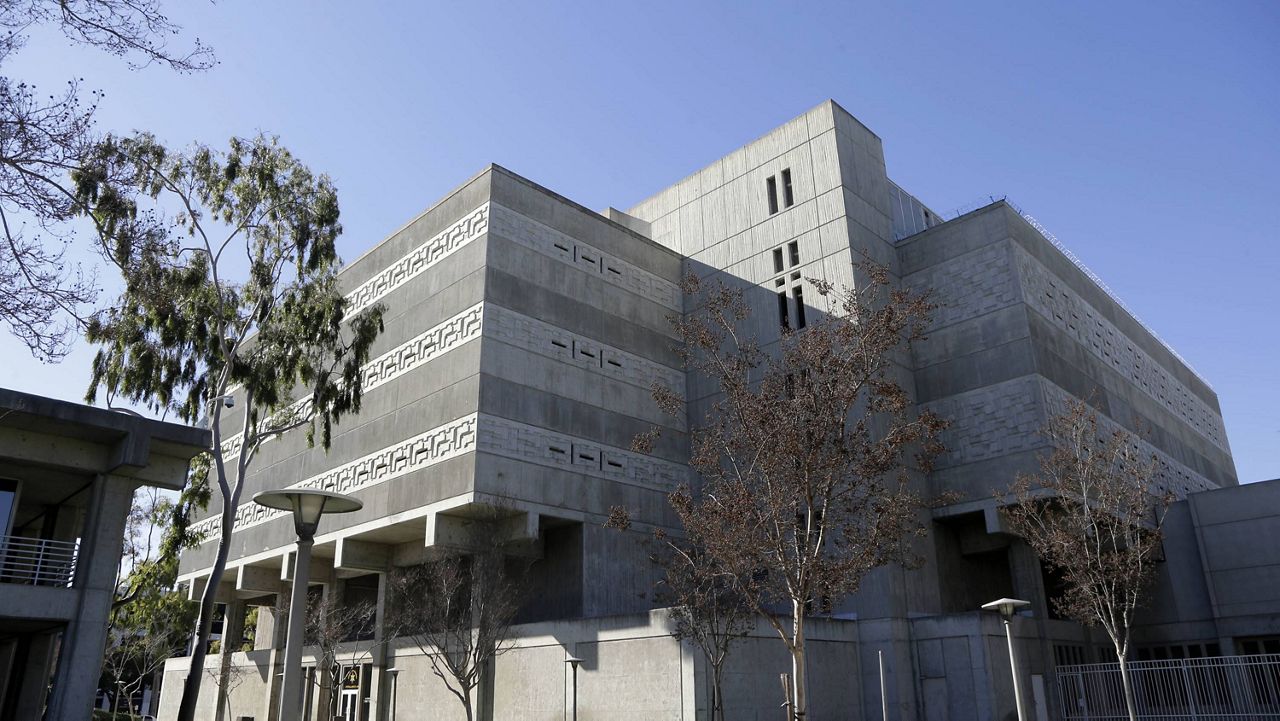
(1146, 136)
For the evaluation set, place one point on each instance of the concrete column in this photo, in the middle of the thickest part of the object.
(1028, 583)
(35, 680)
(8, 657)
(232, 630)
(379, 696)
(266, 634)
(80, 656)
(272, 625)
(380, 619)
(233, 626)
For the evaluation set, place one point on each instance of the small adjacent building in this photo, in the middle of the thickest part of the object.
(1219, 592)
(68, 473)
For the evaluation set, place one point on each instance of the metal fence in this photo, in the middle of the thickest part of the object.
(37, 561)
(1223, 688)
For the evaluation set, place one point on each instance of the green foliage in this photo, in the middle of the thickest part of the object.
(152, 621)
(250, 629)
(183, 332)
(230, 279)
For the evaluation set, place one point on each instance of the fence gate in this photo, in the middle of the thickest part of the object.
(1224, 688)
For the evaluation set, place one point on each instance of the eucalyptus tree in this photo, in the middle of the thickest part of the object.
(230, 269)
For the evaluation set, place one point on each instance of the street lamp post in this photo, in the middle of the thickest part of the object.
(1006, 607)
(574, 662)
(307, 506)
(395, 673)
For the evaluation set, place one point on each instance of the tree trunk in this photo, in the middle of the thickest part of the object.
(327, 699)
(466, 704)
(224, 676)
(1129, 701)
(799, 679)
(717, 701)
(191, 686)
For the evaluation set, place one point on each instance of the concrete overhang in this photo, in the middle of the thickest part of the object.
(36, 603)
(63, 438)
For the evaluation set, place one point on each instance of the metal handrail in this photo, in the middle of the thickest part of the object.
(969, 208)
(37, 561)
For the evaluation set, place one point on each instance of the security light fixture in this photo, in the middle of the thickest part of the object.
(574, 662)
(308, 506)
(394, 672)
(1006, 607)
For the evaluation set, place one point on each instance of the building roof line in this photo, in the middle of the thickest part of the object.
(1097, 280)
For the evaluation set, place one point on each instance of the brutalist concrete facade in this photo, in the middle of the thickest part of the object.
(524, 333)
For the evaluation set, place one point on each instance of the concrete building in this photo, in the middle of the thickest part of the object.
(1220, 593)
(523, 334)
(67, 477)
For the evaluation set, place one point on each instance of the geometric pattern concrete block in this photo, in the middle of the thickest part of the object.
(421, 451)
(570, 251)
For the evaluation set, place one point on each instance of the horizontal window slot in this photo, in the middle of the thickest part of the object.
(561, 247)
(559, 344)
(614, 363)
(554, 449)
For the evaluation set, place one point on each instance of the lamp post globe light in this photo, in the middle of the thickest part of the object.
(308, 506)
(574, 662)
(1006, 607)
(395, 673)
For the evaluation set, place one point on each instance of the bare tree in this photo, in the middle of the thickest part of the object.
(1093, 513)
(459, 610)
(43, 138)
(227, 680)
(332, 627)
(141, 637)
(805, 457)
(704, 602)
(149, 620)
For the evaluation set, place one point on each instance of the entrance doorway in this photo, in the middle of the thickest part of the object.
(350, 709)
(349, 705)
